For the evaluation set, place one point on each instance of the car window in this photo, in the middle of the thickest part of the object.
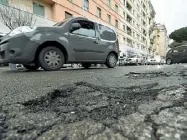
(106, 33)
(175, 50)
(87, 28)
(182, 49)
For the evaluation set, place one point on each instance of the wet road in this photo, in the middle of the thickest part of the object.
(132, 102)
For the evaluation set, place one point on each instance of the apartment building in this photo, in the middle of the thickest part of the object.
(129, 18)
(162, 40)
(151, 27)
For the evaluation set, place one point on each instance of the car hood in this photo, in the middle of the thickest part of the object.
(48, 29)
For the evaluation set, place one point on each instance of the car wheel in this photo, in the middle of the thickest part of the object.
(111, 60)
(168, 61)
(51, 59)
(86, 65)
(31, 67)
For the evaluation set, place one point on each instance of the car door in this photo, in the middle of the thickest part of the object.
(108, 39)
(183, 54)
(176, 55)
(83, 41)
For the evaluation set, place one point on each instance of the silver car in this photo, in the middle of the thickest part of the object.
(75, 40)
(134, 59)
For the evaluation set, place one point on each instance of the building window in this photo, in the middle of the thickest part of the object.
(116, 23)
(86, 5)
(109, 18)
(124, 15)
(38, 9)
(5, 2)
(98, 12)
(108, 3)
(67, 15)
(116, 8)
(124, 28)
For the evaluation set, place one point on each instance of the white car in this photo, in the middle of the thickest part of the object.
(151, 61)
(122, 59)
(134, 59)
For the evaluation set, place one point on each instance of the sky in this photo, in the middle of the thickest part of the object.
(172, 13)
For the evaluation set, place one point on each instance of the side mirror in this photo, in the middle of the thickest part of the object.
(75, 26)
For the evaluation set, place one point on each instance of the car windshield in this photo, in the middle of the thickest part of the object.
(93, 70)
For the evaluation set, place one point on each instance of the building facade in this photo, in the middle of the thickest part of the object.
(162, 40)
(131, 19)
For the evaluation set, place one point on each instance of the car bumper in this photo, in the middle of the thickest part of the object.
(131, 62)
(17, 50)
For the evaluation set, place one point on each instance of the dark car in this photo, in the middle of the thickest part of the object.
(75, 40)
(177, 55)
(1, 36)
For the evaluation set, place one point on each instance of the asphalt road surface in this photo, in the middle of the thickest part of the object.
(124, 103)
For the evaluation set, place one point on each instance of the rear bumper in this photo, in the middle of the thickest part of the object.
(17, 50)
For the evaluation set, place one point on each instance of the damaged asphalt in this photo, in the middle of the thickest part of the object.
(125, 103)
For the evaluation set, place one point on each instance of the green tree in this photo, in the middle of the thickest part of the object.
(179, 35)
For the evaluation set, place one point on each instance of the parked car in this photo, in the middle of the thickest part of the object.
(74, 40)
(151, 61)
(158, 59)
(122, 58)
(163, 61)
(177, 55)
(1, 36)
(134, 59)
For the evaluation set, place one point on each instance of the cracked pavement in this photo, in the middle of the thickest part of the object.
(125, 103)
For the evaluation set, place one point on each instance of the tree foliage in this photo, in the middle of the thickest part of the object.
(179, 35)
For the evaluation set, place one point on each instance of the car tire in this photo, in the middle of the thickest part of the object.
(51, 58)
(31, 67)
(86, 65)
(168, 61)
(111, 60)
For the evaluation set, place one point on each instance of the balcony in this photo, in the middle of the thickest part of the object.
(129, 7)
(50, 2)
(129, 19)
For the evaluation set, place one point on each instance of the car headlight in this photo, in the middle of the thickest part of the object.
(19, 30)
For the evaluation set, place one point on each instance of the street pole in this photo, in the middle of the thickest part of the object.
(83, 8)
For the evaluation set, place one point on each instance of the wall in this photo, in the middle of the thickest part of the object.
(27, 5)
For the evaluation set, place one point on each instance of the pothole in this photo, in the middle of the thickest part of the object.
(135, 75)
(75, 103)
(84, 100)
